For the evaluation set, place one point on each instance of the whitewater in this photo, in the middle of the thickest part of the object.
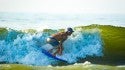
(24, 48)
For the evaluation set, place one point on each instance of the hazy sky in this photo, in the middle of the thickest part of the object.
(63, 6)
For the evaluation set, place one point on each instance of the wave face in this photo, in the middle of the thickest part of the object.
(25, 48)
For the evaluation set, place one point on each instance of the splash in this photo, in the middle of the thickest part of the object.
(24, 48)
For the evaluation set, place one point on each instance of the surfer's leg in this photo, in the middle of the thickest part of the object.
(60, 50)
(57, 51)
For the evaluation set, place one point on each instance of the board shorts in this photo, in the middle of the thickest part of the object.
(52, 41)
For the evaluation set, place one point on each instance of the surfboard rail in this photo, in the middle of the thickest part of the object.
(51, 56)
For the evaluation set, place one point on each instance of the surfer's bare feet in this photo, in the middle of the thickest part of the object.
(50, 51)
(54, 54)
(60, 53)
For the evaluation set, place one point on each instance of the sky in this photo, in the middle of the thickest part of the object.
(63, 6)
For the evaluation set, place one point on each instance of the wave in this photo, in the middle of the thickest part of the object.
(24, 47)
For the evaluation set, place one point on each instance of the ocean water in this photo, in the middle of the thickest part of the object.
(24, 48)
(77, 66)
(41, 21)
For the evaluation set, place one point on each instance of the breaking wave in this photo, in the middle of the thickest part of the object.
(25, 47)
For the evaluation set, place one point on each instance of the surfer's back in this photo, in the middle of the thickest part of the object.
(60, 36)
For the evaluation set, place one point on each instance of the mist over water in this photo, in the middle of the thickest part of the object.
(25, 48)
(41, 21)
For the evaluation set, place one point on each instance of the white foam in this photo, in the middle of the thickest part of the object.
(26, 48)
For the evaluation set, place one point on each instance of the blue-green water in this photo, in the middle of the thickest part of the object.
(25, 47)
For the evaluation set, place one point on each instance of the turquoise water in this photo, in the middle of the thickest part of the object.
(24, 48)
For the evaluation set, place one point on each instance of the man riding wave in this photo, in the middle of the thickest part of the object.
(56, 40)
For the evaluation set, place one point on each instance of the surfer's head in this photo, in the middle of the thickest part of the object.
(69, 31)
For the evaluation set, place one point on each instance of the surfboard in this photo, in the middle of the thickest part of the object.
(51, 56)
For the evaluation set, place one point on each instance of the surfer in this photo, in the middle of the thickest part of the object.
(56, 40)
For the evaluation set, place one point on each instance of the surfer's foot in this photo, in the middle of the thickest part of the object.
(60, 53)
(54, 54)
(50, 51)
